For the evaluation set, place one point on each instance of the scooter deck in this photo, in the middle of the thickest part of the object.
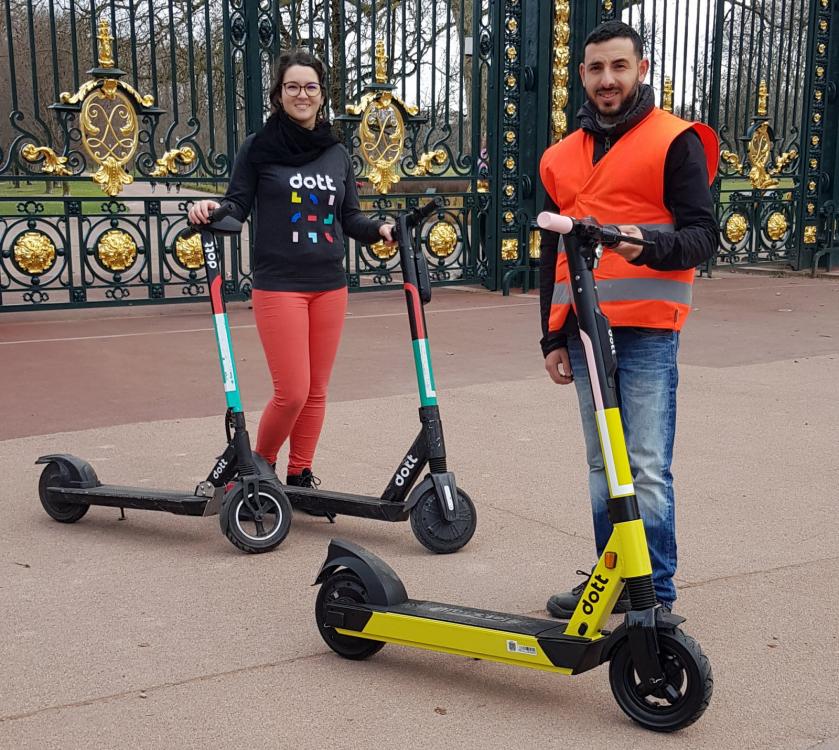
(141, 498)
(343, 503)
(497, 636)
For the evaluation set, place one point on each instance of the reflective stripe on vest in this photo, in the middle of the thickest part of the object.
(635, 289)
(624, 290)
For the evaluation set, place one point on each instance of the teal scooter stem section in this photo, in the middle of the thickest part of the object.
(228, 364)
(425, 375)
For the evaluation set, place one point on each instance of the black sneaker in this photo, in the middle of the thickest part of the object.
(306, 479)
(562, 606)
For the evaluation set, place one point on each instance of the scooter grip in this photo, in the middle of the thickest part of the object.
(555, 222)
(220, 213)
(216, 215)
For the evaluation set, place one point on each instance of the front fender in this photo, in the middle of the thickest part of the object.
(426, 485)
(664, 621)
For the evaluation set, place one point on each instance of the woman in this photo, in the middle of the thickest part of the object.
(302, 181)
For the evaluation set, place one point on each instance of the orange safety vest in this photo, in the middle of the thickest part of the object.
(625, 187)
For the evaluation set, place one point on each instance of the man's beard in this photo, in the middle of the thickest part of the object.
(626, 105)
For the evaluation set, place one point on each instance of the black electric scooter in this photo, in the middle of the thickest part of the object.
(659, 676)
(442, 515)
(241, 488)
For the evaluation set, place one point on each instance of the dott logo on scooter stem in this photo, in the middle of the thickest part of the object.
(405, 470)
(220, 467)
(210, 254)
(598, 586)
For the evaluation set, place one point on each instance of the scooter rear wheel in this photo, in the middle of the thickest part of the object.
(434, 532)
(343, 587)
(255, 526)
(688, 680)
(53, 476)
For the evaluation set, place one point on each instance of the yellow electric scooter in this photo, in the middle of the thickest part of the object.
(659, 676)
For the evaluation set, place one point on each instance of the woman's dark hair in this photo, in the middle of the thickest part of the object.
(286, 60)
(616, 30)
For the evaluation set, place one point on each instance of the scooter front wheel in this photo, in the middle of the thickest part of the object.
(343, 587)
(432, 529)
(685, 694)
(53, 476)
(255, 524)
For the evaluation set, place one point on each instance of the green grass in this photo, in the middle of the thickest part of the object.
(10, 196)
(219, 188)
(729, 185)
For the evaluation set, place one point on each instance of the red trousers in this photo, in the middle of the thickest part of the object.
(300, 333)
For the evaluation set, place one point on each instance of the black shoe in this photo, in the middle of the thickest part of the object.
(306, 479)
(562, 606)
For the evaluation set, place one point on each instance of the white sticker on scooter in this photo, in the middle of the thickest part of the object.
(449, 499)
(224, 350)
(517, 648)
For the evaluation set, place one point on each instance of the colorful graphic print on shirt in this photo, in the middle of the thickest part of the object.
(302, 192)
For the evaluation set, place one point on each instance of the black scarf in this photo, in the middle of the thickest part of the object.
(640, 108)
(283, 141)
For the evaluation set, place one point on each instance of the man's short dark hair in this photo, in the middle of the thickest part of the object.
(616, 30)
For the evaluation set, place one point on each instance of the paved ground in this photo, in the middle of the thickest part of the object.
(154, 632)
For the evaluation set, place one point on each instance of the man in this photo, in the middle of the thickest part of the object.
(647, 171)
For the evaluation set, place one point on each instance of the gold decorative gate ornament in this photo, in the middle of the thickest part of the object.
(116, 250)
(382, 118)
(759, 149)
(53, 163)
(34, 253)
(110, 136)
(108, 110)
(189, 252)
(562, 58)
(442, 239)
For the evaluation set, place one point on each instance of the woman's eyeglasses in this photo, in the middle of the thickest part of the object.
(293, 89)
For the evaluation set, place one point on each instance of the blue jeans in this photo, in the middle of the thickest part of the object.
(646, 380)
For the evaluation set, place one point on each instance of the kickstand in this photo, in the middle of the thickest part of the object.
(122, 514)
(331, 517)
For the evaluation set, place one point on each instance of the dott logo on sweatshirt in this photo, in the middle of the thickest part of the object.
(312, 181)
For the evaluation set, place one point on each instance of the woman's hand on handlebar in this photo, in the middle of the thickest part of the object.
(386, 233)
(624, 249)
(199, 212)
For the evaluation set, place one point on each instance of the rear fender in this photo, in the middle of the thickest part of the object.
(381, 582)
(75, 471)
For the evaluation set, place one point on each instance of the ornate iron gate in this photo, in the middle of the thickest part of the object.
(763, 75)
(120, 114)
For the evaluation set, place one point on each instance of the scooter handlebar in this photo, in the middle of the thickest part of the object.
(418, 215)
(217, 223)
(607, 234)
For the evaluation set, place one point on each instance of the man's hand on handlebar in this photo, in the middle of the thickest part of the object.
(624, 249)
(199, 212)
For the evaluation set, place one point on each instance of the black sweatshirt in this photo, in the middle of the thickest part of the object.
(303, 214)
(687, 197)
